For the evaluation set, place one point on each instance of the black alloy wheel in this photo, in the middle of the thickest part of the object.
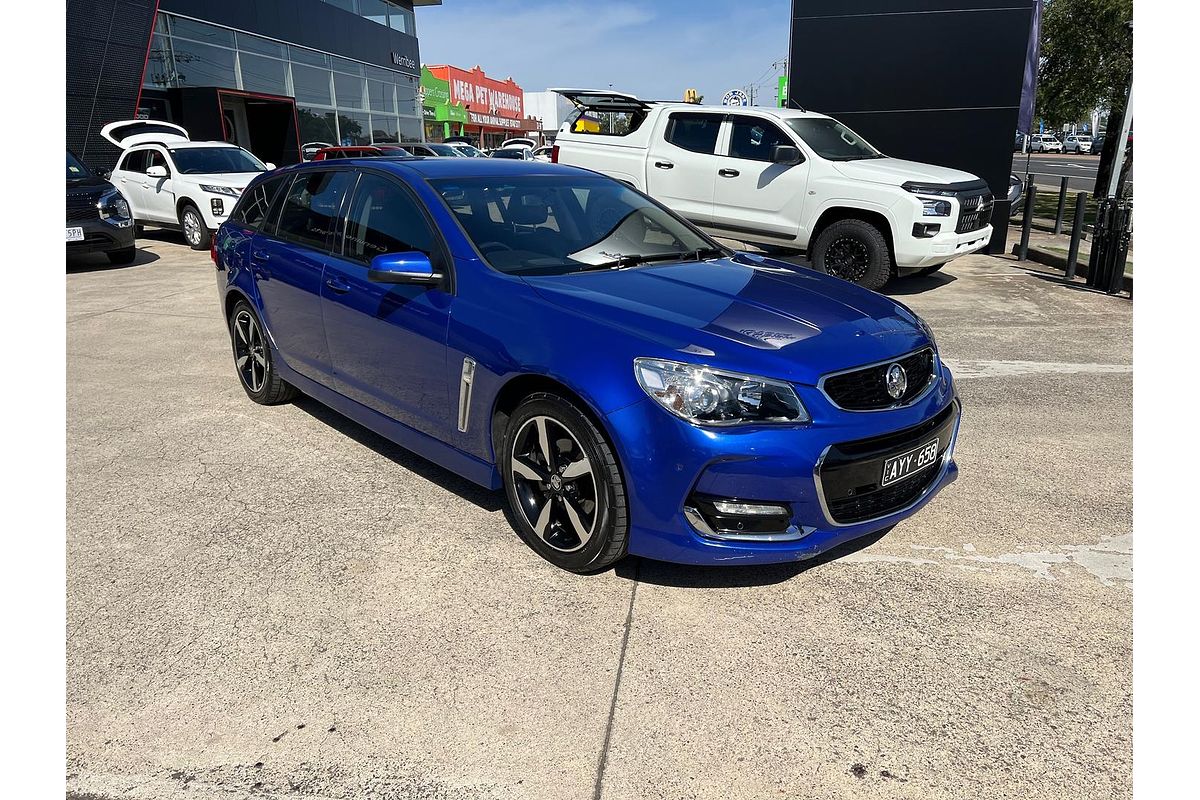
(563, 484)
(853, 250)
(253, 359)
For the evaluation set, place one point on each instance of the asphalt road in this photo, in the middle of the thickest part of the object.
(1051, 168)
(274, 602)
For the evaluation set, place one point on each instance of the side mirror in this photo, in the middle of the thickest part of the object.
(410, 267)
(157, 171)
(102, 173)
(786, 154)
(269, 166)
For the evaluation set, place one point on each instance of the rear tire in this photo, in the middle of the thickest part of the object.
(194, 230)
(564, 487)
(855, 251)
(123, 256)
(253, 359)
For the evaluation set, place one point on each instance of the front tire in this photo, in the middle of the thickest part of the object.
(563, 485)
(854, 250)
(253, 359)
(194, 230)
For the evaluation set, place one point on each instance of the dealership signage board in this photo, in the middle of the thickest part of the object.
(735, 97)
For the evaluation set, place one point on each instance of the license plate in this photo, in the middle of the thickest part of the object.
(74, 234)
(900, 467)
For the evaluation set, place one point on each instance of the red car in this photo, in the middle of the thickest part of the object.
(360, 151)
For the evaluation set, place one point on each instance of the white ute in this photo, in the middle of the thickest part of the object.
(172, 182)
(785, 179)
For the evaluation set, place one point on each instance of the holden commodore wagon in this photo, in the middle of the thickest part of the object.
(633, 385)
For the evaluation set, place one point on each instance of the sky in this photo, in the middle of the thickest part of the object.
(654, 49)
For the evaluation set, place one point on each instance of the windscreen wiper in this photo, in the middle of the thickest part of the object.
(632, 260)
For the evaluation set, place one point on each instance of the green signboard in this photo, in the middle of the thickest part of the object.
(435, 92)
(782, 98)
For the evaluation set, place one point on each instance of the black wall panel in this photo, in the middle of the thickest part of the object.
(106, 50)
(929, 80)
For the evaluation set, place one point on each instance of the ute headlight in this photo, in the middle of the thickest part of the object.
(935, 208)
(707, 396)
(226, 190)
(112, 206)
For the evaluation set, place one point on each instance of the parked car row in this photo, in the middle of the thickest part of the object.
(1079, 143)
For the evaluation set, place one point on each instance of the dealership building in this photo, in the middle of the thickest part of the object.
(269, 75)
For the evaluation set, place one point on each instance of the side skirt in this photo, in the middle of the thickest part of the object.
(422, 444)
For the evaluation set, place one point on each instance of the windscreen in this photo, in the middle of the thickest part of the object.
(557, 225)
(75, 168)
(204, 160)
(831, 139)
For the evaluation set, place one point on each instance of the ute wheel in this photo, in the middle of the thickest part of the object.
(853, 250)
(253, 360)
(562, 481)
(125, 255)
(194, 229)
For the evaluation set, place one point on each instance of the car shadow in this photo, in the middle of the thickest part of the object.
(98, 262)
(486, 499)
(687, 576)
(918, 284)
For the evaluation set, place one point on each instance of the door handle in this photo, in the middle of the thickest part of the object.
(664, 165)
(337, 285)
(728, 173)
(259, 255)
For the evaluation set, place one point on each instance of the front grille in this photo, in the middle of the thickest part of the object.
(883, 502)
(81, 207)
(975, 213)
(866, 389)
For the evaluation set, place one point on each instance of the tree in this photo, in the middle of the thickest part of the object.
(1086, 58)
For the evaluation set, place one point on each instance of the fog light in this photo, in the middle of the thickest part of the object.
(926, 230)
(218, 206)
(734, 507)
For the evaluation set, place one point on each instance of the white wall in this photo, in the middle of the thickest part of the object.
(552, 109)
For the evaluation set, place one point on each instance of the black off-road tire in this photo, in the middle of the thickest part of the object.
(876, 261)
(610, 537)
(203, 238)
(125, 255)
(269, 389)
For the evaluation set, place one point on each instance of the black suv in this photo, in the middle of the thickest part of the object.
(98, 218)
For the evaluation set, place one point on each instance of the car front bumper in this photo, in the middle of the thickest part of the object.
(669, 464)
(101, 236)
(916, 254)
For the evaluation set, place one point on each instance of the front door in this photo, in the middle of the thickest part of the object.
(681, 172)
(288, 261)
(387, 341)
(158, 194)
(753, 193)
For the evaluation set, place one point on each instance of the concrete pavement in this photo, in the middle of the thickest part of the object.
(274, 602)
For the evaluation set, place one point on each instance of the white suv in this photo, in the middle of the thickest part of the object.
(172, 182)
(1078, 143)
(1044, 143)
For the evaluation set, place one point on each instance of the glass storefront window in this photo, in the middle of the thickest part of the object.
(354, 128)
(401, 19)
(410, 129)
(160, 66)
(317, 125)
(346, 65)
(406, 96)
(347, 5)
(382, 96)
(202, 65)
(201, 32)
(303, 55)
(348, 90)
(384, 129)
(256, 44)
(374, 10)
(311, 85)
(262, 74)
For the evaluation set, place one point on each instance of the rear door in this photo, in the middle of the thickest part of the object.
(387, 341)
(288, 260)
(681, 172)
(753, 193)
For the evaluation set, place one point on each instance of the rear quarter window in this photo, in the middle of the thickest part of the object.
(694, 132)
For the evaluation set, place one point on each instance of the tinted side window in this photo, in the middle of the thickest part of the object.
(134, 161)
(253, 207)
(695, 132)
(309, 213)
(383, 218)
(156, 159)
(755, 138)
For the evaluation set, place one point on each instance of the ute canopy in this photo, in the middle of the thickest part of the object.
(127, 133)
(603, 99)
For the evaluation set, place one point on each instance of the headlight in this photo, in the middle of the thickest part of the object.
(229, 190)
(935, 208)
(112, 205)
(712, 397)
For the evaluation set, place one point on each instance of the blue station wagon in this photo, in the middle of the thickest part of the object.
(633, 385)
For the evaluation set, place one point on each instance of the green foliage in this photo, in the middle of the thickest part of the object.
(1086, 58)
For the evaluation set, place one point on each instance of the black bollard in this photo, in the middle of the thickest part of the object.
(1062, 206)
(1023, 250)
(1076, 234)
